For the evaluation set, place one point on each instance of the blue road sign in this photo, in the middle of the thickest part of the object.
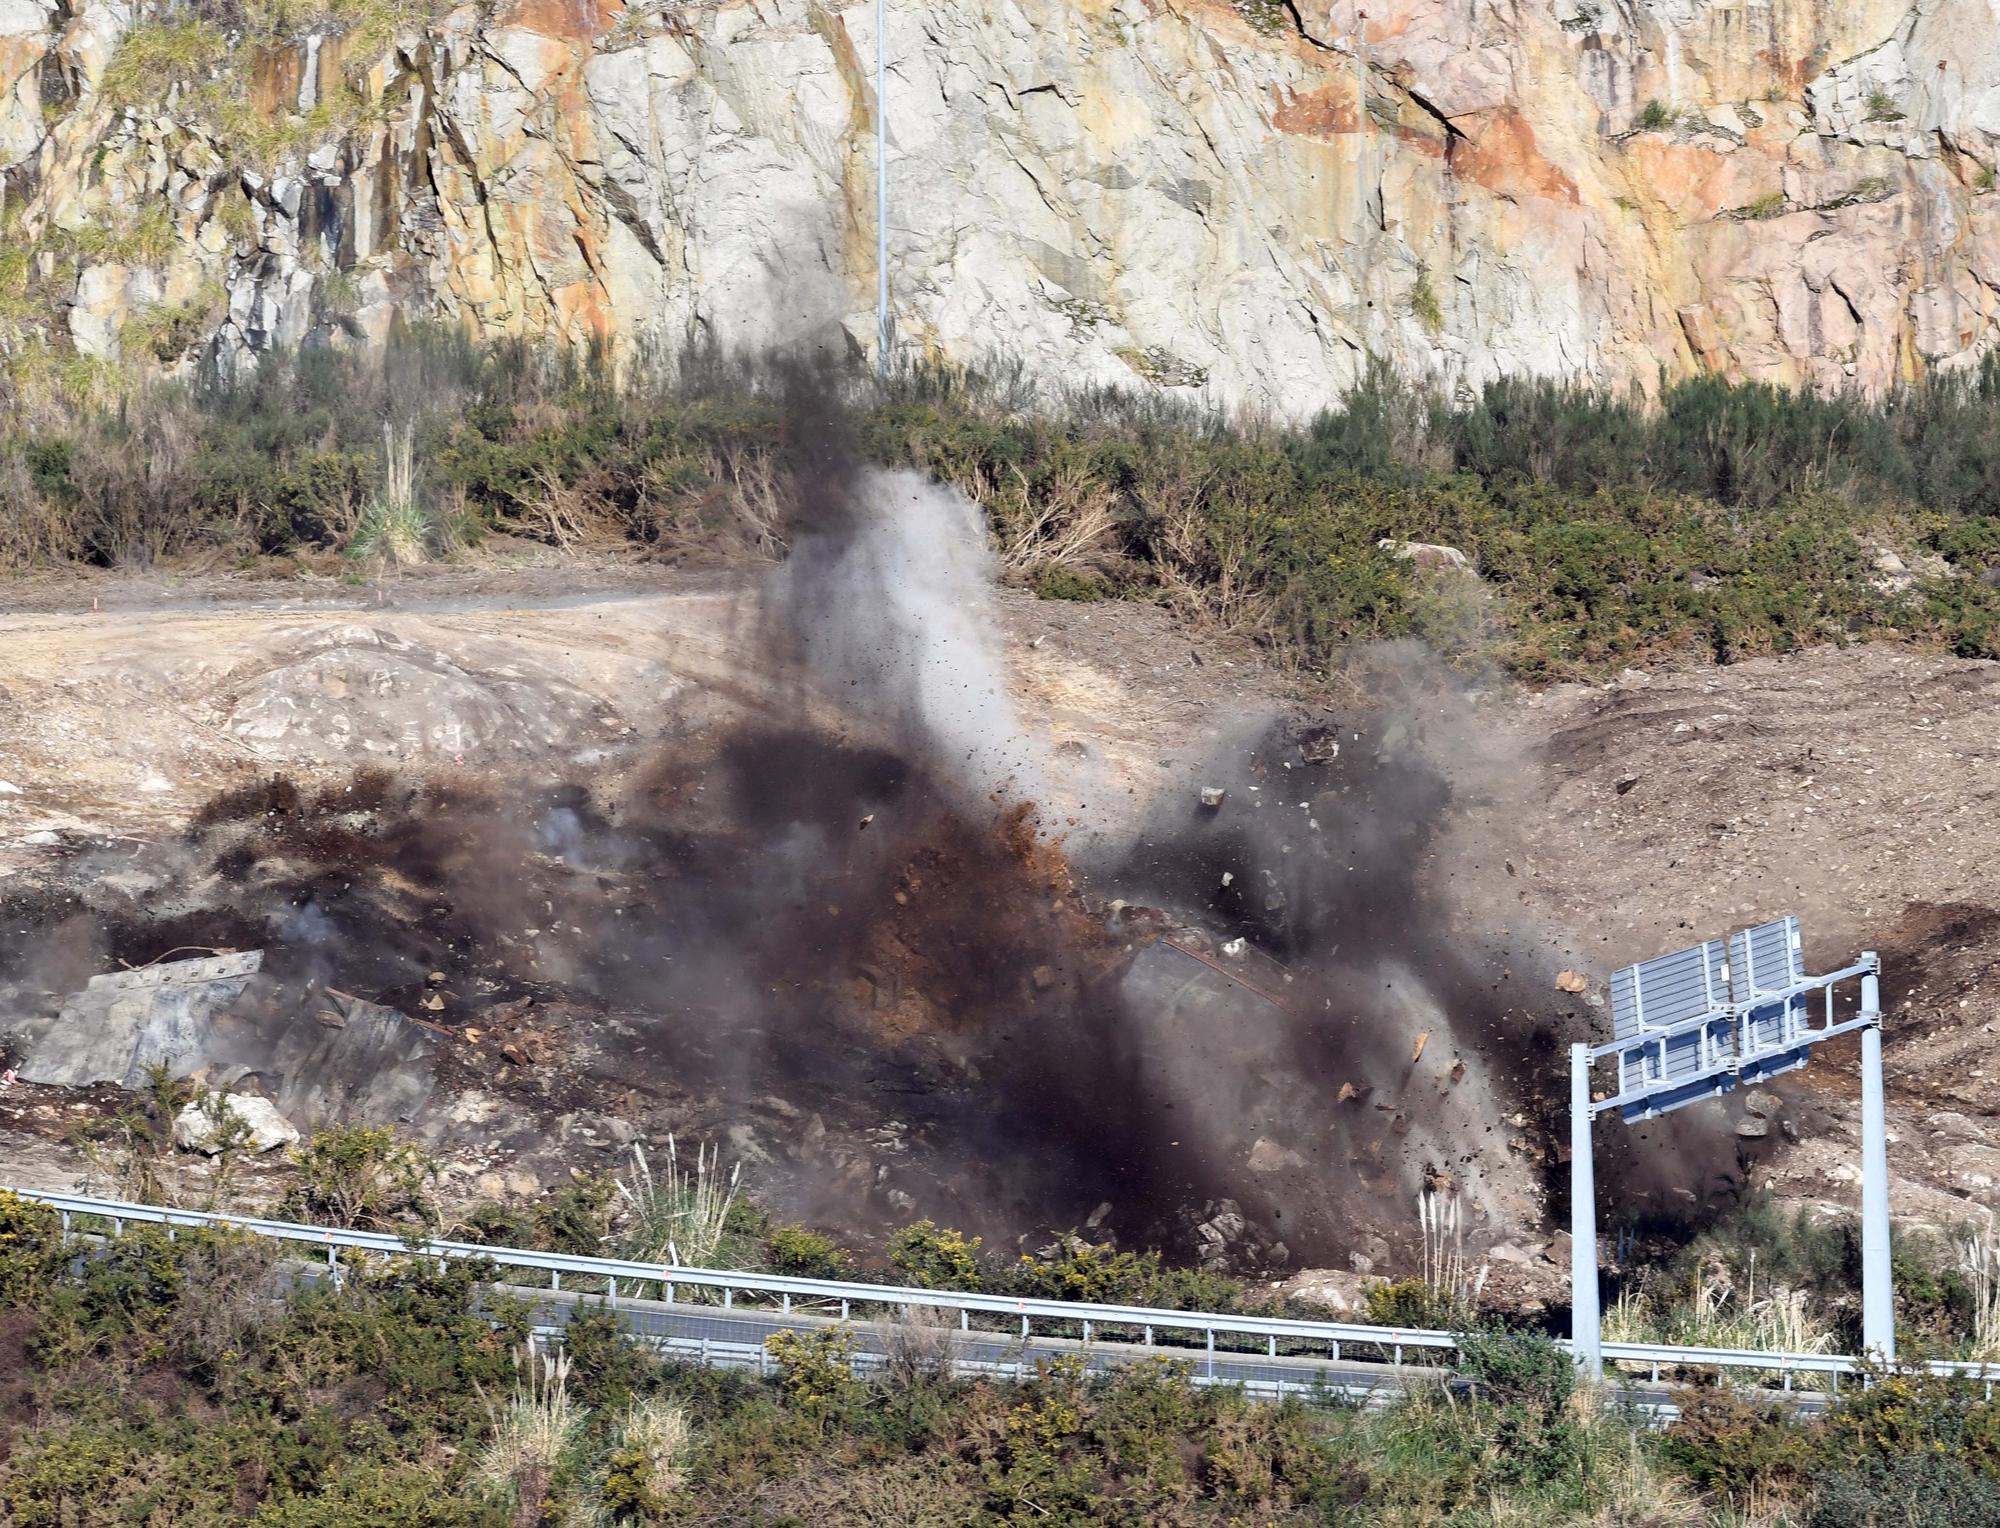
(1701, 1021)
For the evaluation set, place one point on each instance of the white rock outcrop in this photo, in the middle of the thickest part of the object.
(1171, 197)
(199, 1127)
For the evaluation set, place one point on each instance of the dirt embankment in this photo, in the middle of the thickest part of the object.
(1593, 824)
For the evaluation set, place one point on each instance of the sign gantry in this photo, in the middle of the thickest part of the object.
(1693, 1025)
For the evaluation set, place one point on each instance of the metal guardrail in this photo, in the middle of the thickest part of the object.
(1101, 1323)
(1098, 1322)
(1664, 1356)
(712, 1353)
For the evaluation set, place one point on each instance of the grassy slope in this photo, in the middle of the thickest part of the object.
(153, 1381)
(1724, 521)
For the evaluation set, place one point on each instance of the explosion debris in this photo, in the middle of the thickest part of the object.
(857, 899)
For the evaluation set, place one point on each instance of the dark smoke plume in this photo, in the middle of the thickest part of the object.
(855, 901)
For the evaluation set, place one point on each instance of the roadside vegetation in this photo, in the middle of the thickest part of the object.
(193, 1380)
(1719, 521)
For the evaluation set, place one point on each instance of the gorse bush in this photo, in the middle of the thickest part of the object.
(1724, 518)
(189, 1380)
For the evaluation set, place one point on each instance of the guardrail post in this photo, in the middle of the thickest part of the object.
(1149, 1336)
(785, 1302)
(1272, 1345)
(1336, 1352)
(1211, 1352)
(1878, 1300)
(1086, 1331)
(117, 1225)
(614, 1293)
(668, 1286)
(555, 1280)
(1585, 1331)
(843, 1308)
(964, 1319)
(728, 1298)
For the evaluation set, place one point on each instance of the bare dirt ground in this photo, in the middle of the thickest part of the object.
(1854, 787)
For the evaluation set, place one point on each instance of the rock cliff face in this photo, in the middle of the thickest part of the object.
(1181, 193)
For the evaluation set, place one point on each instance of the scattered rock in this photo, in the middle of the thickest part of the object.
(1337, 1292)
(1267, 1156)
(1762, 1104)
(1212, 796)
(1214, 1236)
(1571, 981)
(1427, 555)
(199, 1127)
(1752, 1128)
(473, 1108)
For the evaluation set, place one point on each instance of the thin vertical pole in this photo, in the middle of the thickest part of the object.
(1586, 1337)
(1878, 1300)
(881, 190)
(1361, 105)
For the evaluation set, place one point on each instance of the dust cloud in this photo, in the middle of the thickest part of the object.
(1242, 1029)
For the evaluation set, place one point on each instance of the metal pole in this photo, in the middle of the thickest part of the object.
(1361, 107)
(881, 190)
(1586, 1337)
(1878, 1299)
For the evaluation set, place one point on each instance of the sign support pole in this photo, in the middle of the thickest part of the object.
(1878, 1299)
(1585, 1331)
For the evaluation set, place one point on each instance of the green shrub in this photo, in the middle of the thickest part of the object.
(362, 1176)
(804, 1252)
(577, 1219)
(1053, 581)
(30, 1247)
(1424, 304)
(1719, 518)
(1725, 1441)
(1916, 1491)
(929, 1256)
(1882, 107)
(815, 1369)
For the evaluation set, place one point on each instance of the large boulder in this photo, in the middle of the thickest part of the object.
(199, 1127)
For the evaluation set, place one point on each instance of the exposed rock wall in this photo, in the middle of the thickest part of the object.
(1110, 190)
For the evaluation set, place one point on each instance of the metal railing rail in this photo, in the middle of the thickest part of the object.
(1098, 1322)
(1102, 1321)
(1663, 1356)
(716, 1353)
